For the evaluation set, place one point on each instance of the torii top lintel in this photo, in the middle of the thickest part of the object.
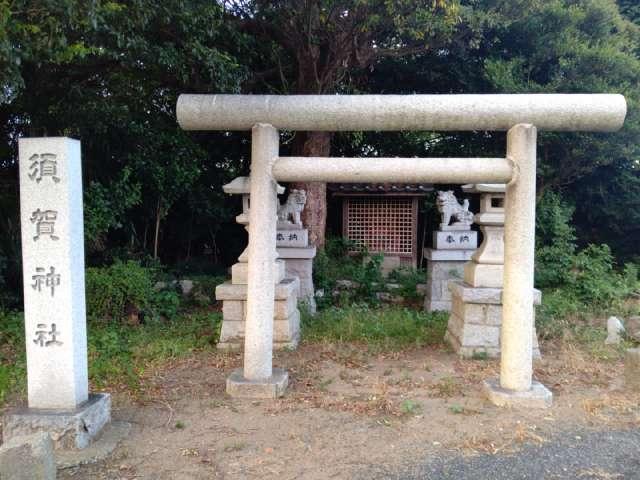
(551, 112)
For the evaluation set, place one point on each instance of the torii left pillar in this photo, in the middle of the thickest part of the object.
(258, 378)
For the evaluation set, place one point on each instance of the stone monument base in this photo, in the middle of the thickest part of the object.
(69, 430)
(442, 266)
(475, 320)
(538, 396)
(273, 387)
(286, 316)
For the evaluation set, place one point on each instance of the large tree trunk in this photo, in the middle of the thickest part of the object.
(314, 216)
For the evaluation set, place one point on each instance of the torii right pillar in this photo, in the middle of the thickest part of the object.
(516, 386)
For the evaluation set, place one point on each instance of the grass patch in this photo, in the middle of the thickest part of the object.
(13, 360)
(385, 328)
(119, 354)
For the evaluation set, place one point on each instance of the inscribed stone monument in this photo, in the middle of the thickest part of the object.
(54, 297)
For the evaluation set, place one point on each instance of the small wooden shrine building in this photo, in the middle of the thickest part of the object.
(381, 217)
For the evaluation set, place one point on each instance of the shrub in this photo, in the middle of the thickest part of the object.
(12, 353)
(555, 241)
(576, 283)
(408, 279)
(127, 287)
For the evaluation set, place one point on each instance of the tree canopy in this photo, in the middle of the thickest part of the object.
(109, 72)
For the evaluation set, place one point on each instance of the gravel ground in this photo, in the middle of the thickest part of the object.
(573, 455)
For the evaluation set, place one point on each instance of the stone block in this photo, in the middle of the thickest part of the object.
(483, 275)
(538, 396)
(476, 328)
(292, 238)
(632, 369)
(273, 387)
(28, 457)
(232, 331)
(287, 330)
(240, 272)
(448, 255)
(296, 252)
(303, 269)
(455, 240)
(283, 309)
(283, 290)
(233, 310)
(434, 306)
(71, 429)
(439, 273)
(284, 330)
(483, 295)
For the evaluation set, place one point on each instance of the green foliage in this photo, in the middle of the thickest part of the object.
(338, 262)
(408, 279)
(127, 287)
(105, 207)
(574, 282)
(555, 241)
(111, 290)
(410, 407)
(388, 328)
(122, 353)
(13, 364)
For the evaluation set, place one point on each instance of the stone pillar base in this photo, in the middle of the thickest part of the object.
(273, 387)
(442, 266)
(286, 316)
(475, 321)
(538, 396)
(69, 430)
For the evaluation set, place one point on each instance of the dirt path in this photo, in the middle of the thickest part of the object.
(346, 411)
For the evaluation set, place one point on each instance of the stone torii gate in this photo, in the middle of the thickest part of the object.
(522, 115)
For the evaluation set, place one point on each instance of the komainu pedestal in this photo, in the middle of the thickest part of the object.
(453, 246)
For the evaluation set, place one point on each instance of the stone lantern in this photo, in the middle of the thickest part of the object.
(286, 332)
(476, 307)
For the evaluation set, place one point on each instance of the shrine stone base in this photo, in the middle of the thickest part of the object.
(475, 321)
(299, 263)
(443, 266)
(273, 387)
(69, 430)
(286, 316)
(538, 396)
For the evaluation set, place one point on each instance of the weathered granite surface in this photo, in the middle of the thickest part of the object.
(28, 457)
(70, 429)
